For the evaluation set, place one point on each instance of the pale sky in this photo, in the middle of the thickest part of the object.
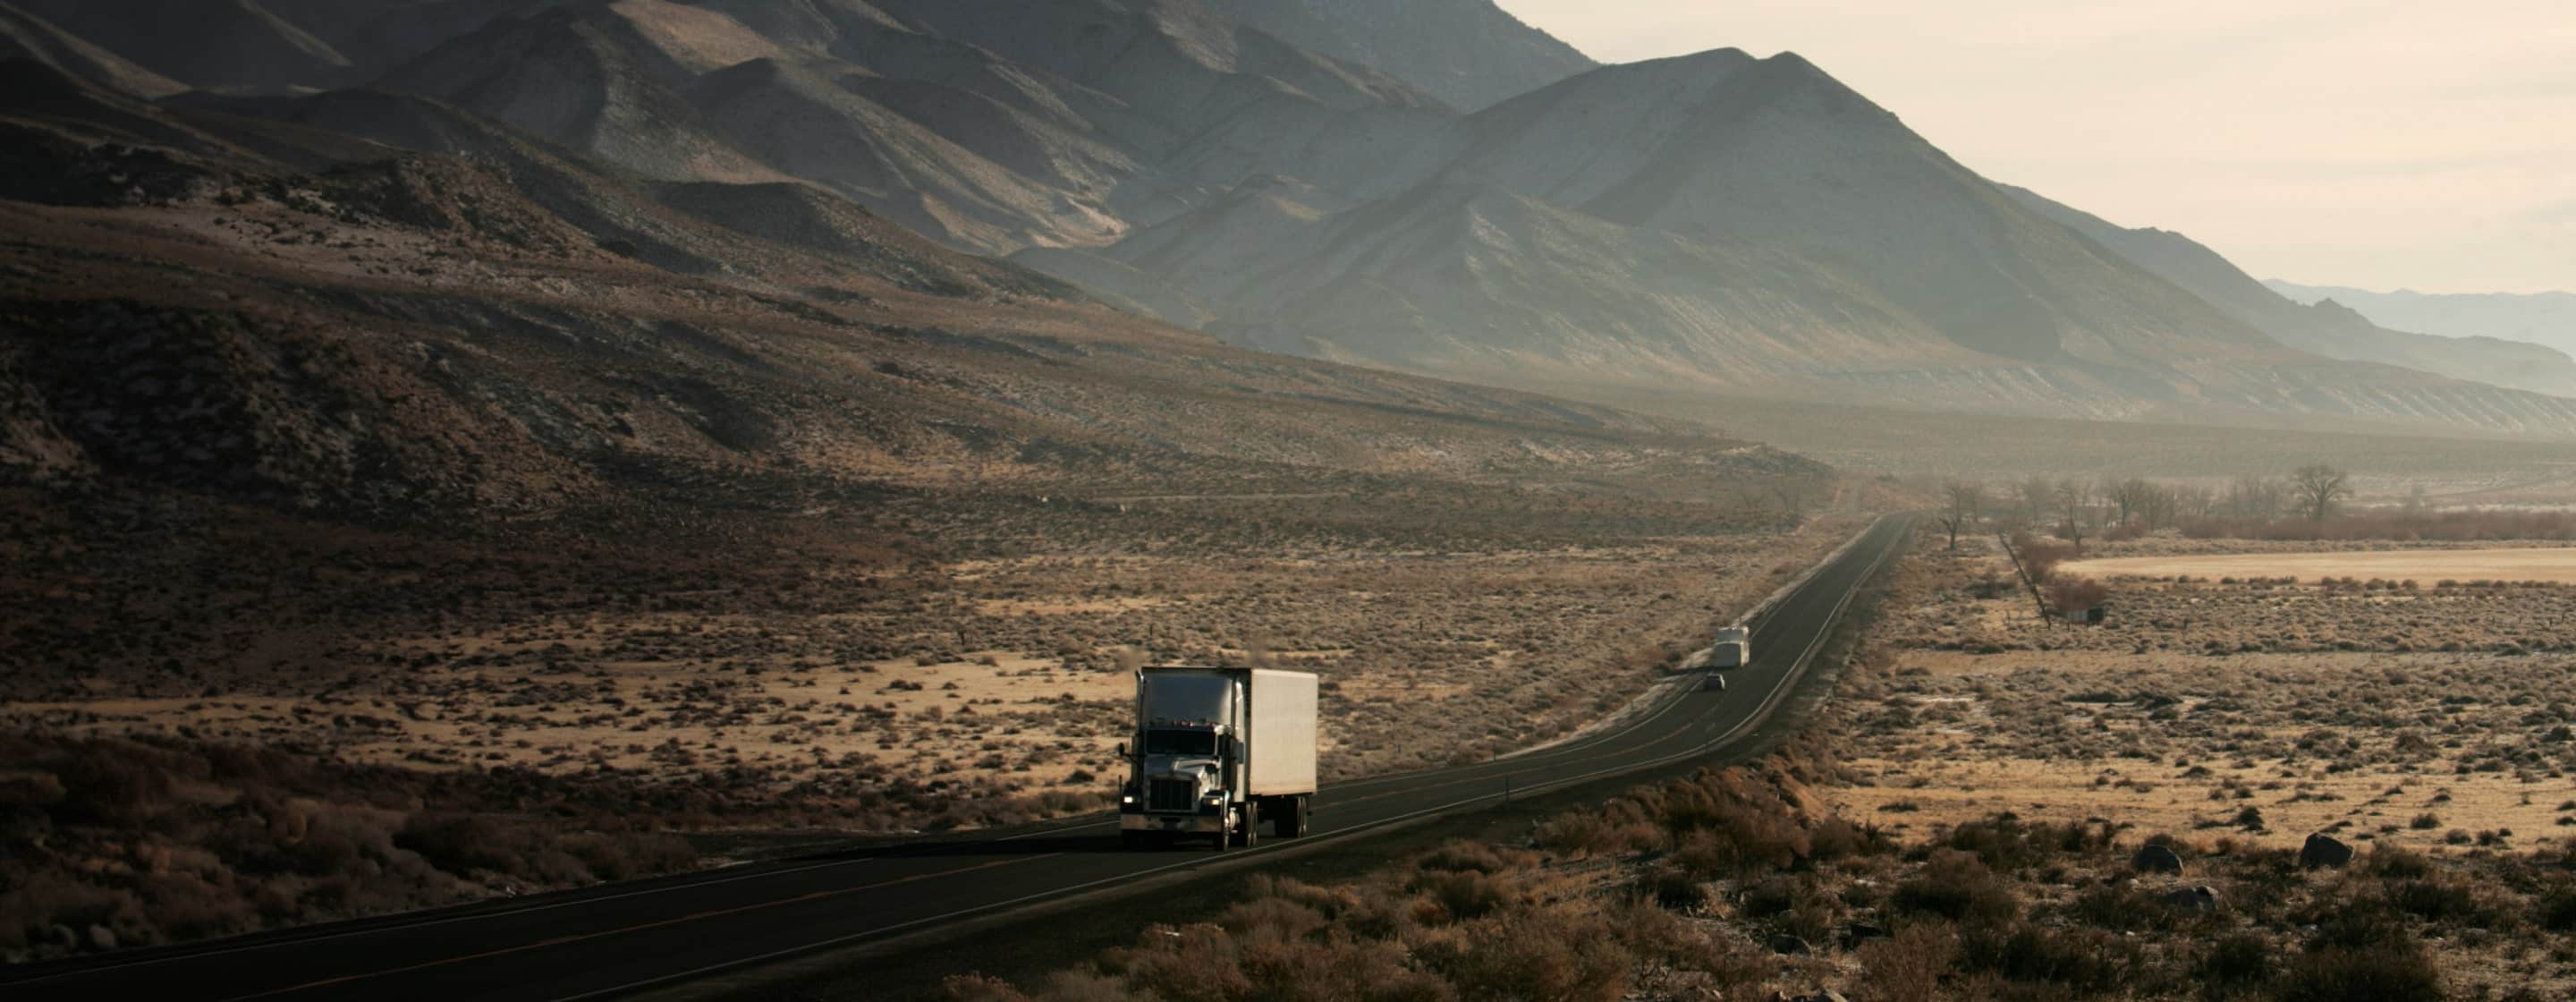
(2419, 144)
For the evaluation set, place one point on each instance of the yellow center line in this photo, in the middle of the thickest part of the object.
(691, 917)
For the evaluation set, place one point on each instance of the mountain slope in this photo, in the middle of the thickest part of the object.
(410, 335)
(2327, 329)
(1468, 53)
(203, 43)
(1720, 221)
(26, 36)
(1706, 221)
(2543, 318)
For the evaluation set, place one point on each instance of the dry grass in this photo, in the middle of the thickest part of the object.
(2323, 708)
(833, 683)
(110, 843)
(2552, 565)
(1766, 882)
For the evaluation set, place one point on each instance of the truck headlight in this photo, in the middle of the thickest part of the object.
(1126, 798)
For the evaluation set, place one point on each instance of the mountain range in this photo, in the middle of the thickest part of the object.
(2544, 318)
(205, 299)
(1431, 187)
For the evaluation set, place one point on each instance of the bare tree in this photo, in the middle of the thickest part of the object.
(2317, 487)
(2253, 496)
(2192, 503)
(1791, 492)
(2130, 494)
(2074, 499)
(2157, 505)
(2035, 495)
(1966, 499)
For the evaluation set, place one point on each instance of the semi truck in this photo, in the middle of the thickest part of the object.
(1733, 649)
(1218, 752)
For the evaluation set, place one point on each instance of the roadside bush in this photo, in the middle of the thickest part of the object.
(1956, 886)
(2390, 972)
(2235, 960)
(2006, 842)
(1465, 895)
(2080, 959)
(1540, 956)
(1908, 967)
(2555, 909)
(628, 855)
(1673, 887)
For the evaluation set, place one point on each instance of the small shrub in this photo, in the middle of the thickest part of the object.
(1908, 967)
(1956, 886)
(2393, 972)
(2238, 958)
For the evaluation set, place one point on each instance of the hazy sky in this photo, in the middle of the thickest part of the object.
(2335, 142)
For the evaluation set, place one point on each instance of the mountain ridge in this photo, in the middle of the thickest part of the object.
(2542, 318)
(1715, 220)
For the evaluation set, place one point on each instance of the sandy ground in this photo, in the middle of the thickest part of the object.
(2333, 711)
(1949, 767)
(2556, 565)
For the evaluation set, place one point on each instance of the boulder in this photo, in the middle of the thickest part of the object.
(102, 938)
(1788, 944)
(2157, 859)
(1862, 932)
(2192, 899)
(2324, 851)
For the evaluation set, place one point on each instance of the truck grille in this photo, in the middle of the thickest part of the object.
(1170, 795)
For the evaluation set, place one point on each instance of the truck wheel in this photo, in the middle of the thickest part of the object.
(1251, 833)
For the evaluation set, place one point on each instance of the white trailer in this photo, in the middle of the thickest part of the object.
(1733, 648)
(1218, 751)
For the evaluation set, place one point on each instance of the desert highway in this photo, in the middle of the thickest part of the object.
(625, 938)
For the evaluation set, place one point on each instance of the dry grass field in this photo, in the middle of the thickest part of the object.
(2059, 817)
(860, 689)
(454, 715)
(2428, 715)
(2552, 565)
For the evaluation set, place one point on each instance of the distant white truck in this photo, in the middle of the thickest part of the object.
(1733, 649)
(1217, 752)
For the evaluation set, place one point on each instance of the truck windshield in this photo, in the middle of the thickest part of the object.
(1180, 742)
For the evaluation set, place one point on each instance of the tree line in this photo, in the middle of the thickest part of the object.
(2077, 508)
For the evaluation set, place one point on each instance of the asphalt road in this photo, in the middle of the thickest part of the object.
(625, 938)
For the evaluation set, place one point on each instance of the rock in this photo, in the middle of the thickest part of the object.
(1788, 944)
(2324, 851)
(102, 938)
(1862, 932)
(2192, 899)
(2157, 859)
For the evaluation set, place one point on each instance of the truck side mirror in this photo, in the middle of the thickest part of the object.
(1122, 750)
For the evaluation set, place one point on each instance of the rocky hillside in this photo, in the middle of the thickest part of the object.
(514, 332)
(1751, 224)
(1468, 53)
(1340, 180)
